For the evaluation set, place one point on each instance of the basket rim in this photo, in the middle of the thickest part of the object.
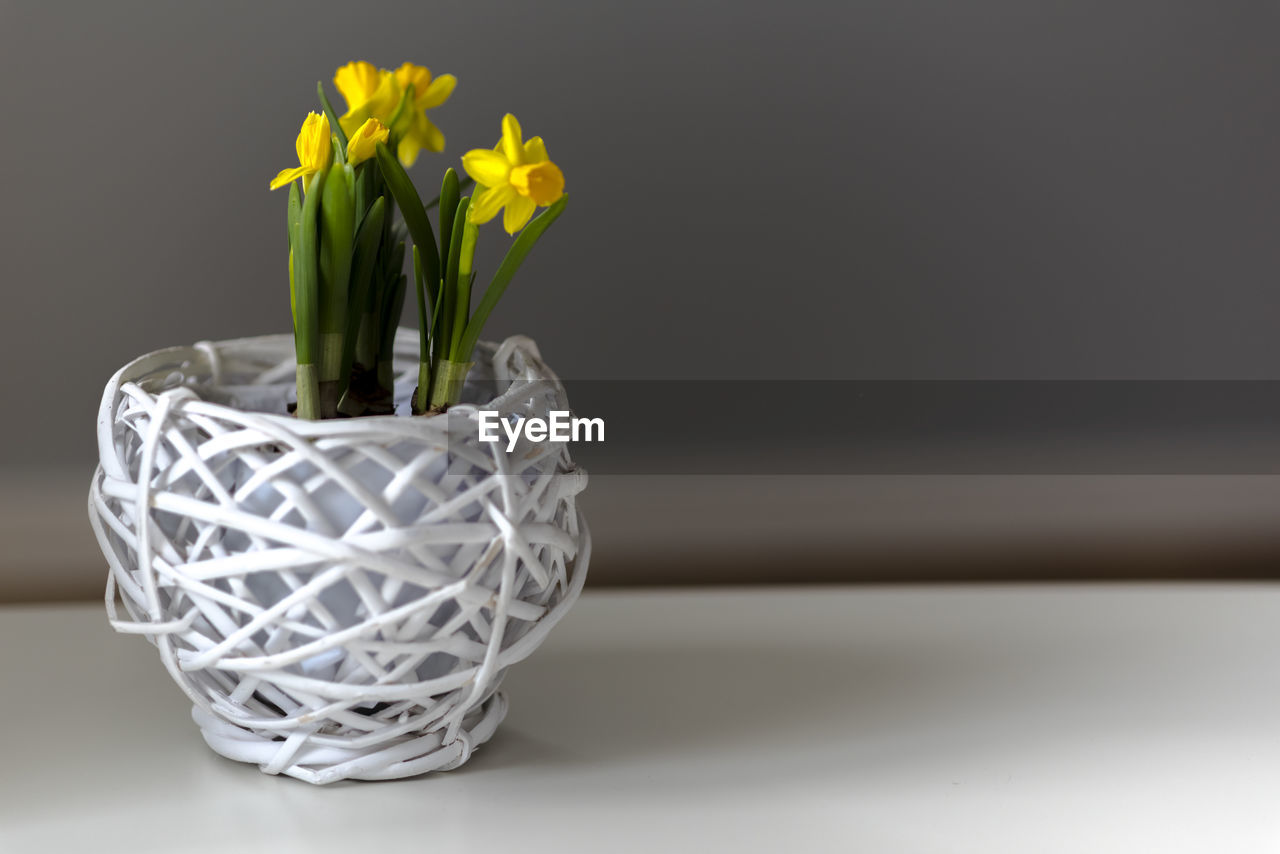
(124, 383)
(406, 346)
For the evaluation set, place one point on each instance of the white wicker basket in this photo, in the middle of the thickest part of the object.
(339, 598)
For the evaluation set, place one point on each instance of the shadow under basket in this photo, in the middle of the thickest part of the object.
(339, 599)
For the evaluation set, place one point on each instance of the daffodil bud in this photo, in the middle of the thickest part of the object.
(315, 151)
(364, 142)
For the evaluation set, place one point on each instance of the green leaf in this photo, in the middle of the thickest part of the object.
(363, 259)
(307, 270)
(337, 236)
(462, 303)
(397, 306)
(295, 215)
(520, 248)
(448, 207)
(449, 290)
(424, 331)
(461, 307)
(295, 210)
(334, 127)
(365, 187)
(395, 255)
(463, 184)
(391, 311)
(415, 215)
(293, 299)
(423, 391)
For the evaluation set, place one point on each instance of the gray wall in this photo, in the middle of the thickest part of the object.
(990, 188)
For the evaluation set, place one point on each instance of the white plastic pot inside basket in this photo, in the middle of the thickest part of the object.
(338, 598)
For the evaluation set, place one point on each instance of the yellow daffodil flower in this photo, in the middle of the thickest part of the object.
(515, 175)
(315, 152)
(363, 143)
(428, 93)
(369, 93)
(372, 92)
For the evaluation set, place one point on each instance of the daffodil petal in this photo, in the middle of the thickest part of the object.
(362, 144)
(385, 99)
(517, 214)
(417, 75)
(417, 138)
(489, 168)
(287, 175)
(357, 81)
(511, 144)
(486, 205)
(312, 139)
(436, 92)
(430, 136)
(535, 151)
(407, 150)
(315, 151)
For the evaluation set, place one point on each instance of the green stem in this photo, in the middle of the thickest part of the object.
(405, 100)
(515, 256)
(308, 392)
(462, 305)
(447, 384)
(331, 344)
(307, 301)
(330, 356)
(422, 394)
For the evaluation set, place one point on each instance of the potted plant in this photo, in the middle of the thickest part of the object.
(336, 587)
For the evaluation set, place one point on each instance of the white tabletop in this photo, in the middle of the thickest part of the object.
(984, 719)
